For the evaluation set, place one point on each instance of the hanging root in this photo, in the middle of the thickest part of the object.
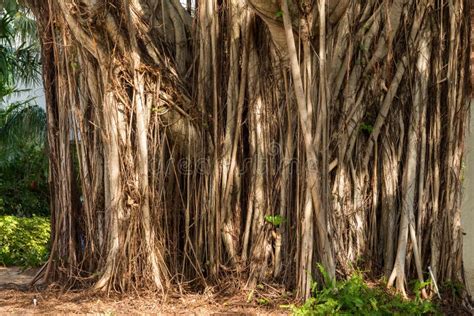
(197, 160)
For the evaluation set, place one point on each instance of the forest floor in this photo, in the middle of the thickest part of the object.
(16, 297)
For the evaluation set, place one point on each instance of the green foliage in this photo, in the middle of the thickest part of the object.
(453, 289)
(367, 128)
(19, 48)
(24, 241)
(275, 220)
(23, 161)
(355, 297)
(23, 182)
(22, 122)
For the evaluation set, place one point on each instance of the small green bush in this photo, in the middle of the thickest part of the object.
(355, 297)
(24, 241)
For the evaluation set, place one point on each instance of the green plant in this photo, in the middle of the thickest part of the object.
(366, 127)
(354, 297)
(19, 48)
(23, 161)
(24, 241)
(453, 288)
(275, 220)
(24, 181)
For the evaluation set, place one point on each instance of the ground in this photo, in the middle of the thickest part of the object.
(16, 297)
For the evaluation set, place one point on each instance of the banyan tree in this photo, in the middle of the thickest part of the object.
(193, 142)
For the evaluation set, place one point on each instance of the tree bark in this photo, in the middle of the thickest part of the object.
(254, 139)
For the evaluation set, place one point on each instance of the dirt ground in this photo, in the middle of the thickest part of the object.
(16, 298)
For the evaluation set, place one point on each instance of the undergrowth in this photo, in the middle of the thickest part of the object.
(24, 241)
(355, 297)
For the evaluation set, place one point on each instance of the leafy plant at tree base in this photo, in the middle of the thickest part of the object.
(24, 241)
(355, 297)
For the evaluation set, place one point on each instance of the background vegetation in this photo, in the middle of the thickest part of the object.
(23, 161)
(24, 241)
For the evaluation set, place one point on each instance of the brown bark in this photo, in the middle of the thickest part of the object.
(254, 139)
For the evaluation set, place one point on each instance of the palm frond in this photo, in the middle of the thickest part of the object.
(19, 48)
(22, 122)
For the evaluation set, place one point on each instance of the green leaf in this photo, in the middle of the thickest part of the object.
(11, 6)
(366, 127)
(275, 220)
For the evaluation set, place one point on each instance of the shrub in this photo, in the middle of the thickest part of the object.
(355, 297)
(24, 241)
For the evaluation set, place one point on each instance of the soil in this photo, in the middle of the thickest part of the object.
(17, 298)
(15, 276)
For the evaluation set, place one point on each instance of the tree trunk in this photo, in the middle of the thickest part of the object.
(254, 139)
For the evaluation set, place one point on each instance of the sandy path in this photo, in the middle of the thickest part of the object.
(15, 277)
